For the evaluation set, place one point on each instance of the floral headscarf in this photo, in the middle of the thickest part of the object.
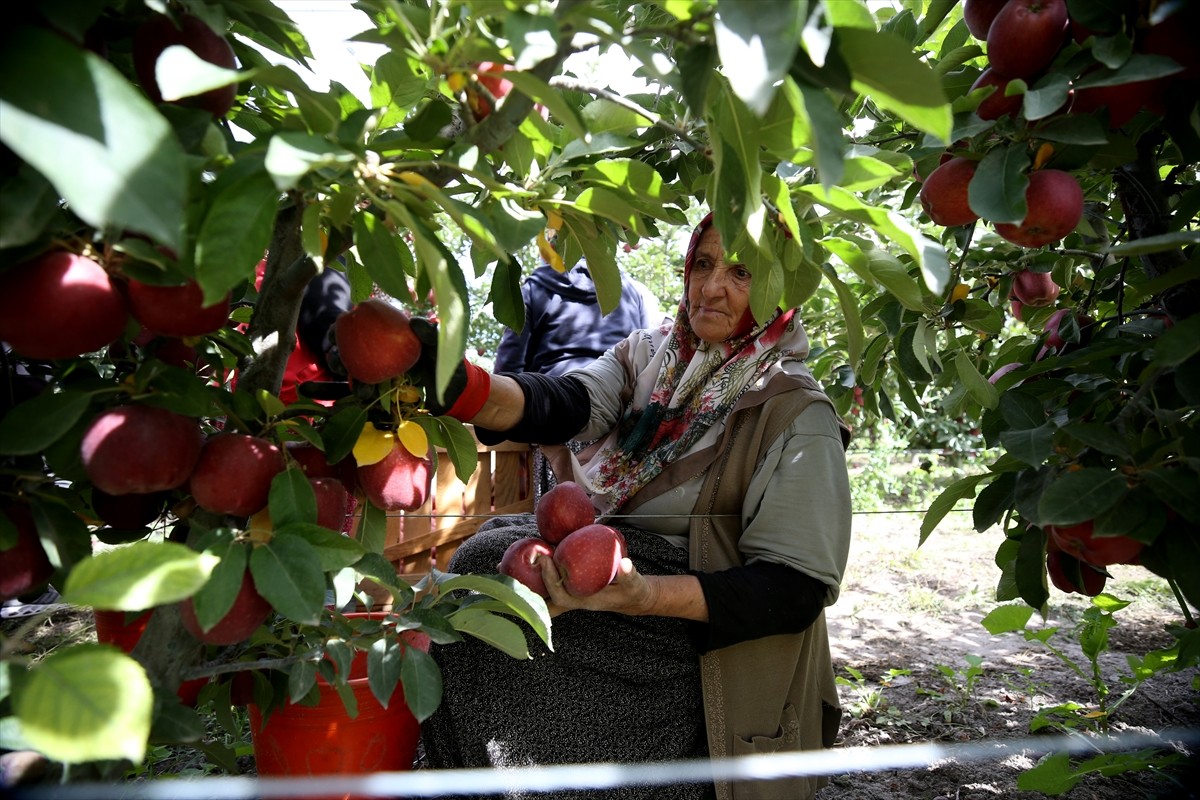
(688, 387)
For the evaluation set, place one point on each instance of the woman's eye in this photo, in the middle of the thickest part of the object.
(742, 274)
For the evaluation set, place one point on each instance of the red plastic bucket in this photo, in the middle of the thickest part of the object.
(324, 740)
(111, 628)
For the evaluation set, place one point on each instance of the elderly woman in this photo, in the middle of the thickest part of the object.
(720, 459)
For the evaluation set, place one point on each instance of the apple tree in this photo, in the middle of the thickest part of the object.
(180, 156)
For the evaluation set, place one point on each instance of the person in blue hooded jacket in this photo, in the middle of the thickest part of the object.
(564, 326)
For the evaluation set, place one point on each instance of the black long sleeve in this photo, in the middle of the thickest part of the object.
(556, 408)
(756, 600)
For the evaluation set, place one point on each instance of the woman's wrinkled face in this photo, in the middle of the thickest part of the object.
(718, 293)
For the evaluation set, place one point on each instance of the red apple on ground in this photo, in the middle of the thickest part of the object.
(159, 33)
(589, 558)
(249, 611)
(129, 511)
(26, 566)
(996, 105)
(139, 449)
(400, 482)
(944, 193)
(59, 305)
(1061, 567)
(518, 562)
(1026, 35)
(1081, 542)
(563, 510)
(1055, 206)
(234, 472)
(375, 342)
(176, 310)
(1035, 289)
(979, 14)
(333, 502)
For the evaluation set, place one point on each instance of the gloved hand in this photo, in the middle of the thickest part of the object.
(469, 385)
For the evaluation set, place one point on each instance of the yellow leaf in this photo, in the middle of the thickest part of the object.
(457, 81)
(1043, 155)
(549, 254)
(554, 220)
(414, 178)
(960, 292)
(413, 437)
(373, 445)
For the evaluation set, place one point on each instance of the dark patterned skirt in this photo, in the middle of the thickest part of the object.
(615, 688)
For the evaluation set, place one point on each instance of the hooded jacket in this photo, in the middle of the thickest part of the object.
(564, 327)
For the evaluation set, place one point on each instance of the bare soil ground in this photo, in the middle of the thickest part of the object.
(909, 618)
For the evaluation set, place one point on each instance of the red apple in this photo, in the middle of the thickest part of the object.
(996, 105)
(499, 87)
(26, 566)
(314, 464)
(1080, 541)
(1054, 323)
(128, 511)
(1026, 35)
(1055, 206)
(1018, 308)
(944, 193)
(1123, 101)
(333, 502)
(589, 558)
(518, 562)
(176, 310)
(139, 449)
(1035, 289)
(1061, 567)
(249, 611)
(59, 305)
(563, 510)
(400, 482)
(375, 342)
(234, 472)
(160, 32)
(1175, 38)
(979, 14)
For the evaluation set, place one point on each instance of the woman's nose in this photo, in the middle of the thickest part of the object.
(714, 283)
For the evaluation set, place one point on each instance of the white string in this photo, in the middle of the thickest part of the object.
(448, 783)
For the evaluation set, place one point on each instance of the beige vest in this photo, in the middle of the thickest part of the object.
(765, 695)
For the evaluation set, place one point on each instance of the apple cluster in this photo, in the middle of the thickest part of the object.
(1024, 39)
(588, 554)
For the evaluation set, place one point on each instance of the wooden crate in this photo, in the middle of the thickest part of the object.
(427, 537)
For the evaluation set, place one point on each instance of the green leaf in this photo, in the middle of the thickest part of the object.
(1155, 244)
(850, 314)
(1030, 568)
(1052, 775)
(492, 629)
(1074, 129)
(757, 40)
(41, 421)
(79, 122)
(1031, 445)
(292, 498)
(383, 668)
(538, 90)
(28, 202)
(334, 550)
(1139, 67)
(422, 681)
(214, 600)
(180, 73)
(1007, 619)
(984, 393)
(372, 531)
(1099, 437)
(236, 230)
(1050, 93)
(997, 190)
(287, 573)
(516, 597)
(293, 154)
(893, 275)
(886, 68)
(87, 702)
(828, 138)
(1082, 495)
(459, 443)
(945, 502)
(384, 254)
(138, 576)
(341, 431)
